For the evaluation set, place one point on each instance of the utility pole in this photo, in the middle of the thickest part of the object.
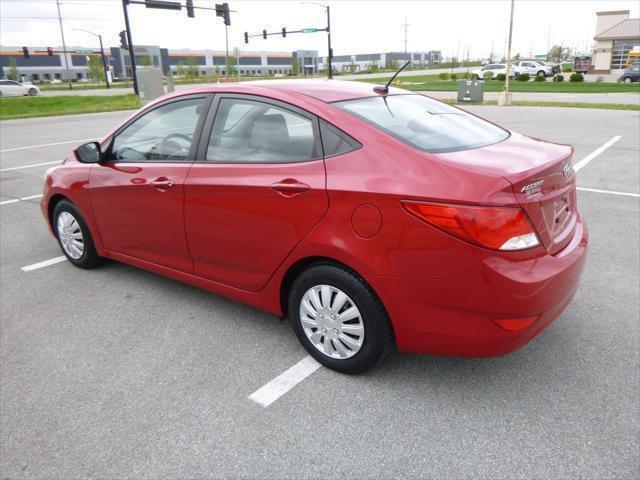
(132, 56)
(64, 46)
(330, 50)
(505, 97)
(405, 25)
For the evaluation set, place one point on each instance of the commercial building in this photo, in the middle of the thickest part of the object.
(368, 61)
(42, 66)
(616, 36)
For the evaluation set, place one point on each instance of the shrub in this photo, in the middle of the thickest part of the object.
(443, 76)
(540, 78)
(576, 77)
(501, 77)
(523, 77)
(487, 75)
(454, 77)
(558, 78)
(466, 75)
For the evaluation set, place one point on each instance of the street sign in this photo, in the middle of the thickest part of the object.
(309, 30)
(84, 51)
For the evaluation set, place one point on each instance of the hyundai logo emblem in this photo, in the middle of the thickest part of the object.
(566, 170)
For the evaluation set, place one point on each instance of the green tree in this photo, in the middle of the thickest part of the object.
(12, 73)
(231, 66)
(145, 61)
(373, 66)
(295, 66)
(395, 63)
(180, 69)
(95, 70)
(192, 68)
(557, 53)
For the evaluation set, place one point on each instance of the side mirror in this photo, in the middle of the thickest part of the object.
(89, 153)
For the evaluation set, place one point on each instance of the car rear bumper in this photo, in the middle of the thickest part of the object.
(455, 316)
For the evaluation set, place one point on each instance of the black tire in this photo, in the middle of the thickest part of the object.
(378, 334)
(627, 80)
(33, 92)
(89, 258)
(476, 77)
(541, 74)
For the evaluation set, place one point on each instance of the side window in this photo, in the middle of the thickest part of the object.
(165, 133)
(248, 131)
(335, 142)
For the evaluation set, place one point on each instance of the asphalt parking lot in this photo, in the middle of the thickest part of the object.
(121, 373)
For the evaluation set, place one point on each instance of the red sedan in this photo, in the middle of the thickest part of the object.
(368, 217)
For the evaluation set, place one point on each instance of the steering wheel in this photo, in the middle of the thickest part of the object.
(170, 142)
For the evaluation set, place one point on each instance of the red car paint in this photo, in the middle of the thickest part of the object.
(239, 229)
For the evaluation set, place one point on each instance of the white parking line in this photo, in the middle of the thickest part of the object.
(15, 200)
(45, 145)
(610, 192)
(29, 166)
(46, 263)
(583, 163)
(284, 382)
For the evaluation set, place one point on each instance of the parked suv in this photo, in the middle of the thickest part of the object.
(534, 68)
(495, 69)
(631, 74)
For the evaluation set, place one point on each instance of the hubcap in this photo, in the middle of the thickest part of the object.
(331, 321)
(70, 235)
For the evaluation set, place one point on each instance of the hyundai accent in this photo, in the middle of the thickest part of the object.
(369, 217)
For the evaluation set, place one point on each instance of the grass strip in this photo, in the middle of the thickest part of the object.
(27, 107)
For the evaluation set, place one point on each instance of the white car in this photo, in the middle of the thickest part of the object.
(533, 68)
(10, 88)
(495, 69)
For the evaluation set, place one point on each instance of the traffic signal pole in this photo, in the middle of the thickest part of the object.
(132, 56)
(104, 63)
(64, 46)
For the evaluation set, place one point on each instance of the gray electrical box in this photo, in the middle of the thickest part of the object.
(150, 83)
(470, 91)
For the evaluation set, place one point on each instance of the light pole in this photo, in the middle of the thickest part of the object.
(328, 29)
(104, 62)
(505, 97)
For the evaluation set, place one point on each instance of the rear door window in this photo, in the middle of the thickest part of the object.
(250, 131)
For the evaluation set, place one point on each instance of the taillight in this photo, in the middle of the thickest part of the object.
(500, 228)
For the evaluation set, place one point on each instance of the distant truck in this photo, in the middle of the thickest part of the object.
(581, 63)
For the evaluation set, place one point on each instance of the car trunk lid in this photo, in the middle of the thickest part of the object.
(542, 178)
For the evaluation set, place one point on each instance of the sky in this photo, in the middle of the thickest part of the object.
(357, 26)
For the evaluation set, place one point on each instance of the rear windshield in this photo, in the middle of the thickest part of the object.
(424, 123)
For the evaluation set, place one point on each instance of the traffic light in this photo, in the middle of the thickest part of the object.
(190, 11)
(222, 10)
(264, 34)
(246, 37)
(123, 40)
(284, 32)
(25, 52)
(50, 51)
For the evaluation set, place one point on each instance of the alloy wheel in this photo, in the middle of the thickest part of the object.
(332, 322)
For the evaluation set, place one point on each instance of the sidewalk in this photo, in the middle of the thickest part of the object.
(615, 98)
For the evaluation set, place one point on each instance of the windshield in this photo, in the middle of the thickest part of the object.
(424, 123)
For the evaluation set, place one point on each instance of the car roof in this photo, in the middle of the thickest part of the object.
(324, 90)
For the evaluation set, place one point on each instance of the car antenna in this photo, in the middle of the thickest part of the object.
(385, 89)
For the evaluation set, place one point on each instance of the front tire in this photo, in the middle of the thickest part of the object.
(541, 74)
(32, 92)
(74, 237)
(339, 319)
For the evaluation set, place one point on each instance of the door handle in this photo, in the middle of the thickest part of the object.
(290, 187)
(163, 184)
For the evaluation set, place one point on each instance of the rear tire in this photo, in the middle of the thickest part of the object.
(627, 80)
(352, 345)
(74, 236)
